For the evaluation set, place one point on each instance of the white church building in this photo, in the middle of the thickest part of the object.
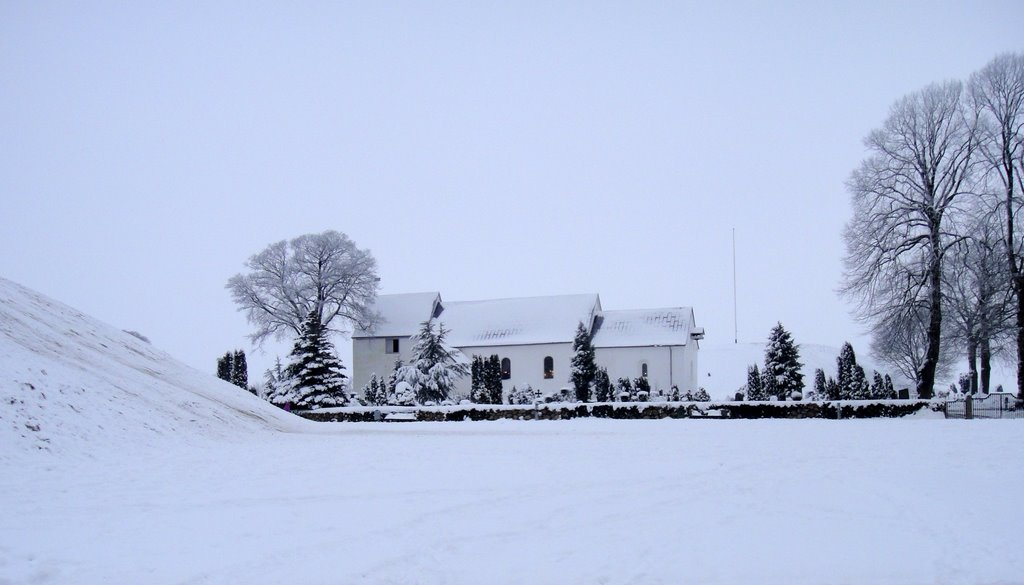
(533, 339)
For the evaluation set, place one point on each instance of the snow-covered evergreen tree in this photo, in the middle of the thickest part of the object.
(625, 387)
(239, 370)
(277, 388)
(832, 389)
(642, 389)
(782, 364)
(877, 386)
(584, 368)
(375, 392)
(820, 392)
(224, 366)
(393, 379)
(435, 366)
(603, 390)
(769, 386)
(476, 388)
(701, 395)
(492, 379)
(755, 386)
(846, 364)
(316, 373)
(859, 385)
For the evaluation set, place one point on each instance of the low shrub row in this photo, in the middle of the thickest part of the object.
(619, 410)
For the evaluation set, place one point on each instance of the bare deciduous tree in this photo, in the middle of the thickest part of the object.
(978, 295)
(900, 340)
(903, 193)
(997, 92)
(324, 273)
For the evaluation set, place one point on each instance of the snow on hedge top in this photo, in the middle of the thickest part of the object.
(643, 327)
(519, 321)
(401, 314)
(71, 384)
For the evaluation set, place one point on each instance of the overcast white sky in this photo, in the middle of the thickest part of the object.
(480, 149)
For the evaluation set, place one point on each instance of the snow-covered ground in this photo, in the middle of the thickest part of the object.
(145, 471)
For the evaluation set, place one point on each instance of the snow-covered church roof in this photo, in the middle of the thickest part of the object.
(519, 321)
(643, 327)
(401, 314)
(531, 320)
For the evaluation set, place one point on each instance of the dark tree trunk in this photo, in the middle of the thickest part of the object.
(1019, 290)
(972, 364)
(926, 385)
(986, 365)
(1017, 279)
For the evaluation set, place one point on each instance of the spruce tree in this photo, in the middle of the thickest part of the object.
(239, 370)
(584, 368)
(782, 363)
(603, 386)
(846, 363)
(393, 380)
(316, 373)
(859, 386)
(476, 388)
(277, 389)
(224, 367)
(375, 392)
(820, 392)
(832, 389)
(492, 379)
(755, 389)
(877, 386)
(435, 366)
(769, 386)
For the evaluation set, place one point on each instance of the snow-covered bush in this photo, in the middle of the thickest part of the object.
(404, 394)
(375, 392)
(701, 396)
(561, 395)
(524, 395)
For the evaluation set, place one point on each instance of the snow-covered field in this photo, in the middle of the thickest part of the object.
(145, 471)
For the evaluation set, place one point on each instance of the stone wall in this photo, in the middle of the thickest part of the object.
(627, 410)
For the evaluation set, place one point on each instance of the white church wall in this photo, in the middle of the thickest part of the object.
(371, 355)
(666, 366)
(527, 363)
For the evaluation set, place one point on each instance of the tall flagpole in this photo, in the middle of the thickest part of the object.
(735, 325)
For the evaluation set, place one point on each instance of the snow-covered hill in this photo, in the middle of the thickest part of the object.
(723, 367)
(72, 385)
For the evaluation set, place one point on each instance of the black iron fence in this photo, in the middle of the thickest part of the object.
(990, 406)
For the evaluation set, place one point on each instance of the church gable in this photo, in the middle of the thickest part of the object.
(401, 314)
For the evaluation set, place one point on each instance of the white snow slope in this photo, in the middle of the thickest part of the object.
(70, 385)
(144, 471)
